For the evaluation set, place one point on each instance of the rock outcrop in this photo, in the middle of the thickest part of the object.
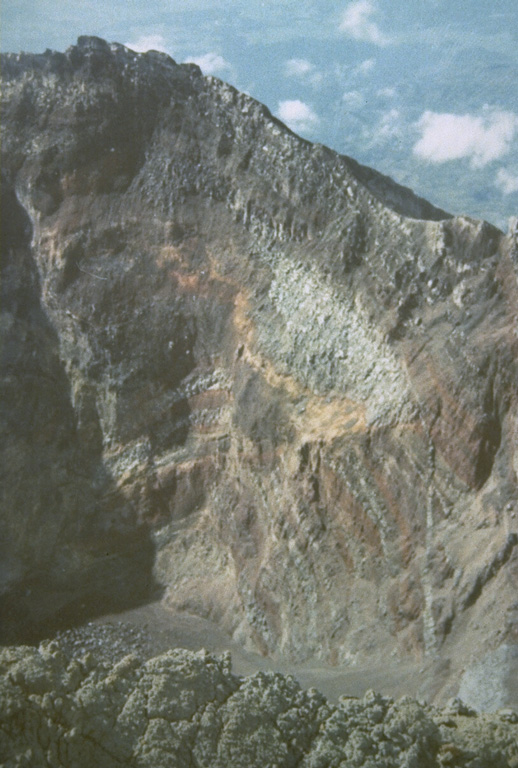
(247, 372)
(186, 709)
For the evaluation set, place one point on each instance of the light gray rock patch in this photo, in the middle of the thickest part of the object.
(326, 338)
(492, 683)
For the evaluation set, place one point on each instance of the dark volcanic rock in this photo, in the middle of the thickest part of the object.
(248, 371)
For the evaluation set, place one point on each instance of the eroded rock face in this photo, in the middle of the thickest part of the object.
(245, 370)
(187, 709)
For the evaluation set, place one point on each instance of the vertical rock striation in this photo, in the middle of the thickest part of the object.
(248, 371)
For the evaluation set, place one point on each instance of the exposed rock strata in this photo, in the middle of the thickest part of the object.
(246, 370)
(187, 709)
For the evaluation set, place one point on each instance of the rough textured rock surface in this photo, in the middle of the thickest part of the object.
(187, 709)
(246, 371)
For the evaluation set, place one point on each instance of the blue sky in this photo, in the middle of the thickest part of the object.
(424, 92)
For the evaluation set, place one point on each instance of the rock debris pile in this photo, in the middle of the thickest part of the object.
(109, 642)
(187, 709)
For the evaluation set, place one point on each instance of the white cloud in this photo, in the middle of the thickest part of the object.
(210, 63)
(297, 115)
(298, 67)
(389, 128)
(386, 93)
(480, 138)
(507, 182)
(365, 67)
(148, 43)
(354, 99)
(390, 124)
(357, 23)
(303, 69)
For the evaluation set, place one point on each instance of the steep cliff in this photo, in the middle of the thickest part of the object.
(247, 372)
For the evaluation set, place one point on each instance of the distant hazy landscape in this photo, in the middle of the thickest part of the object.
(425, 93)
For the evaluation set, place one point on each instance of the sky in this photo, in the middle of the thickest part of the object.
(426, 93)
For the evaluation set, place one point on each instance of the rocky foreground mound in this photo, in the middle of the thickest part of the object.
(246, 373)
(188, 710)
